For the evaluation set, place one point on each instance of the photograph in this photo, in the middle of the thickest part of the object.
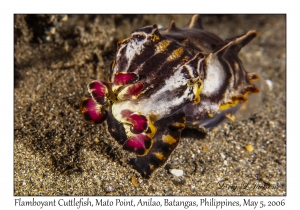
(149, 105)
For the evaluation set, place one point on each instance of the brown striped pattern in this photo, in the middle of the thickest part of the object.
(164, 80)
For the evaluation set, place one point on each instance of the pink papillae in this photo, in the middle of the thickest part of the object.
(98, 90)
(92, 111)
(139, 122)
(138, 143)
(124, 78)
(131, 92)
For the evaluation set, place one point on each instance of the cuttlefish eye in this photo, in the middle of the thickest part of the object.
(139, 37)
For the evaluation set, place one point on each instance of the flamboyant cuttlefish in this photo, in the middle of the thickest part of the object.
(163, 80)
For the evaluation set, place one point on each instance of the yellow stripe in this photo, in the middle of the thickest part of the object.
(113, 64)
(162, 46)
(234, 101)
(178, 125)
(169, 139)
(197, 90)
(175, 54)
(155, 38)
(151, 167)
(230, 117)
(160, 156)
(210, 115)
